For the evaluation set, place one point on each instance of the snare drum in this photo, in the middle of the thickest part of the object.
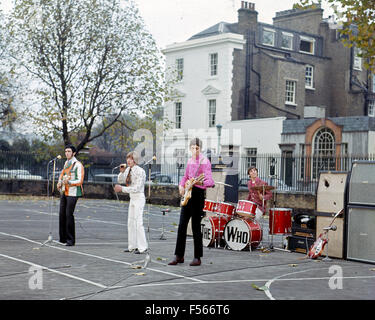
(225, 208)
(209, 206)
(246, 209)
(210, 227)
(280, 221)
(239, 234)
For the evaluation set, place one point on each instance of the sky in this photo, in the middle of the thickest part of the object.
(171, 21)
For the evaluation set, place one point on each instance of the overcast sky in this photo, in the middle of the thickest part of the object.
(172, 21)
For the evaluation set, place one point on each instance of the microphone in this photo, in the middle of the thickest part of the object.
(120, 166)
(57, 157)
(333, 228)
(149, 161)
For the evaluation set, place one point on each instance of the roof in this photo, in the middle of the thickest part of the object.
(349, 124)
(219, 28)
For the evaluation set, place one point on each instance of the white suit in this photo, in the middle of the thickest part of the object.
(136, 231)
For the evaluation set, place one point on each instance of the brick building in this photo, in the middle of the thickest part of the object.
(296, 70)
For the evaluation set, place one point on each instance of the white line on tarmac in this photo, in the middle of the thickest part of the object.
(55, 271)
(278, 278)
(99, 257)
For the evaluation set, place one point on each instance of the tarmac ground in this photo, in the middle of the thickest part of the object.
(97, 268)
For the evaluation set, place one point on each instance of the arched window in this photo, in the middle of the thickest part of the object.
(324, 150)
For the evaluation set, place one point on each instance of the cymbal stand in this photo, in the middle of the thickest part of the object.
(218, 239)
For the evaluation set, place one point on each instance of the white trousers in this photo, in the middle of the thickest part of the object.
(136, 231)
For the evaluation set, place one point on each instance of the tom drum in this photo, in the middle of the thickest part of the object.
(280, 221)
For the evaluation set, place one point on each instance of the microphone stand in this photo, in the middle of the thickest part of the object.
(50, 238)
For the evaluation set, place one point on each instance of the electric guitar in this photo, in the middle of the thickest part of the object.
(317, 248)
(188, 188)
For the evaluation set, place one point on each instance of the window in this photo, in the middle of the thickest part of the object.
(290, 92)
(324, 152)
(371, 108)
(287, 41)
(213, 64)
(180, 68)
(211, 112)
(307, 45)
(251, 157)
(178, 114)
(309, 77)
(373, 83)
(357, 60)
(268, 37)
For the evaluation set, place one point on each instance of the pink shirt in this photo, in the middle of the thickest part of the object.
(254, 196)
(191, 171)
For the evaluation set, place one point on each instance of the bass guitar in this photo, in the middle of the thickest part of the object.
(188, 188)
(317, 248)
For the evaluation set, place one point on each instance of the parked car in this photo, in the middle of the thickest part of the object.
(23, 174)
(105, 177)
(4, 174)
(161, 178)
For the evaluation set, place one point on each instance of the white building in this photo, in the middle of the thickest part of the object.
(203, 99)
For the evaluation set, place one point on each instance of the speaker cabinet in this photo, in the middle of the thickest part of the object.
(330, 192)
(299, 244)
(335, 245)
(226, 187)
(362, 183)
(361, 234)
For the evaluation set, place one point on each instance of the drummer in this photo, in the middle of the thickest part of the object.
(260, 197)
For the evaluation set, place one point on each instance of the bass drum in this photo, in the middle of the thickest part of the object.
(240, 234)
(211, 227)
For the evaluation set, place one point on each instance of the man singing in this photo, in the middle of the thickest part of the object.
(196, 165)
(134, 178)
(70, 185)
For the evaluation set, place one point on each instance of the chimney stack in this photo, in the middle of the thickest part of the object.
(247, 17)
(247, 5)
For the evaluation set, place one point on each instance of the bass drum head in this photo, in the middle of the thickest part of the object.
(212, 227)
(240, 233)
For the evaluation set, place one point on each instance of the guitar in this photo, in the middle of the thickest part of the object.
(188, 188)
(317, 248)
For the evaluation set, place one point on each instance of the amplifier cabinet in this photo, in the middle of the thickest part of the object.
(300, 244)
(361, 234)
(362, 183)
(335, 245)
(330, 191)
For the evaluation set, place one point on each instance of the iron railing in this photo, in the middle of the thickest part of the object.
(286, 173)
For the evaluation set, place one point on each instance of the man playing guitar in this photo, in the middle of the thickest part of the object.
(196, 166)
(70, 186)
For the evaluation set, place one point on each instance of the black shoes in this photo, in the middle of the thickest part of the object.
(195, 262)
(176, 260)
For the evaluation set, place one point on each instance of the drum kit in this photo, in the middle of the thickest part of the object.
(233, 226)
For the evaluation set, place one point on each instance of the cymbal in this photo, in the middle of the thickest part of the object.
(225, 184)
(261, 188)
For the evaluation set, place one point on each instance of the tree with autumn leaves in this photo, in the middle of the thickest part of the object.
(88, 63)
(358, 24)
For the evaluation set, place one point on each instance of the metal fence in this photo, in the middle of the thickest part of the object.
(286, 173)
